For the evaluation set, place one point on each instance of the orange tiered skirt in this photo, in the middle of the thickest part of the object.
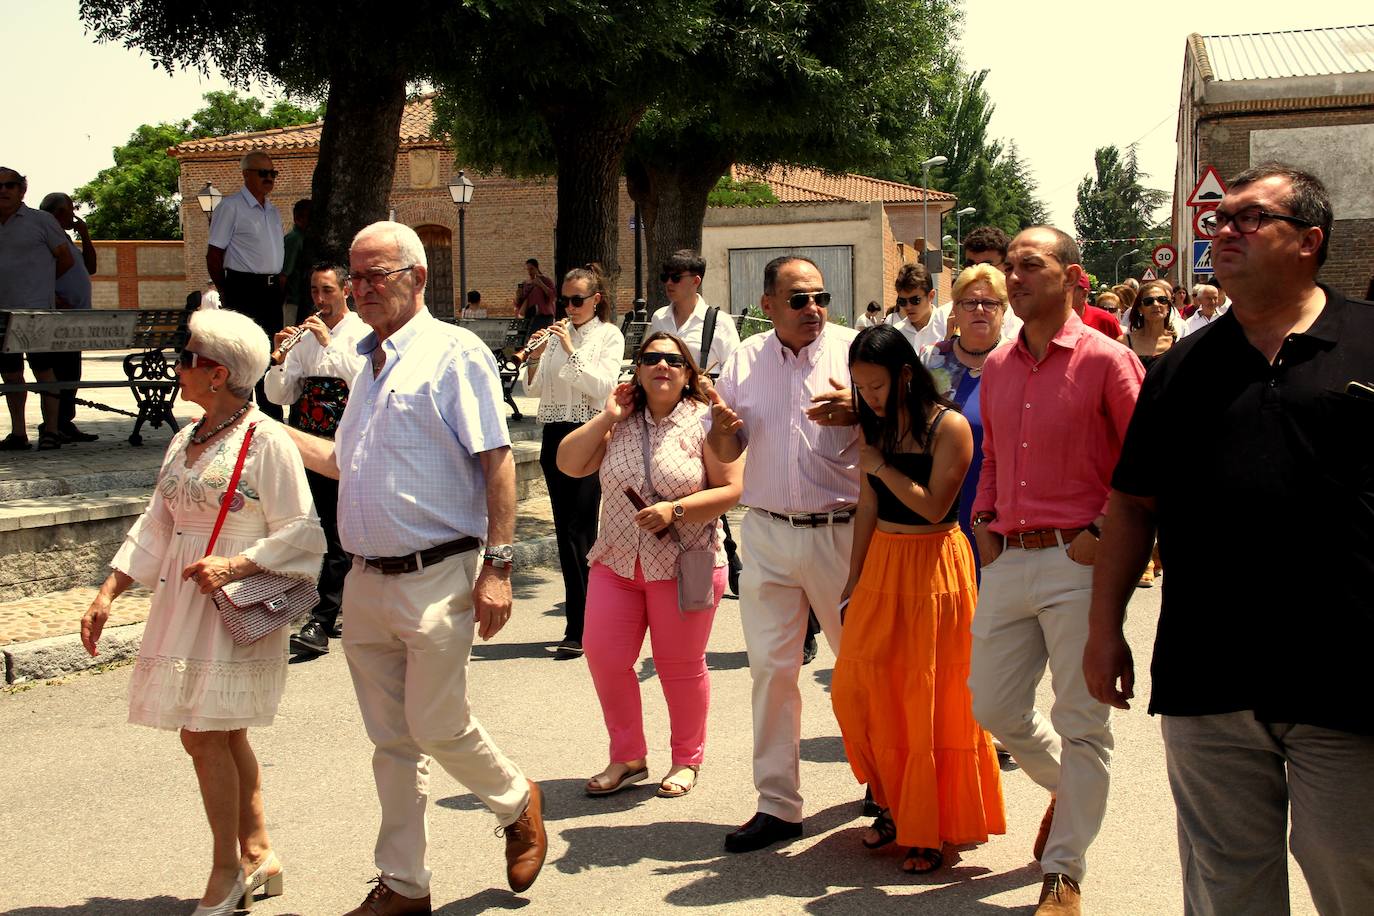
(900, 691)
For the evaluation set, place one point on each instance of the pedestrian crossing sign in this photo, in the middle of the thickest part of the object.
(1202, 256)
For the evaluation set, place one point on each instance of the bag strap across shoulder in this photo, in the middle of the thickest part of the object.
(708, 334)
(228, 496)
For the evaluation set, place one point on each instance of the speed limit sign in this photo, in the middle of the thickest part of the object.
(1164, 257)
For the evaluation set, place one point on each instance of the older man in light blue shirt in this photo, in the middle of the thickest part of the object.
(425, 473)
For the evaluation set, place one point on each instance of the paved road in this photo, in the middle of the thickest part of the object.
(103, 818)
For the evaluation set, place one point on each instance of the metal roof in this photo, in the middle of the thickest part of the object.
(1302, 52)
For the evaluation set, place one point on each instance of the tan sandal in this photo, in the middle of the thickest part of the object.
(596, 787)
(669, 789)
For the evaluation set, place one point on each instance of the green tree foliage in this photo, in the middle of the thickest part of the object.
(1114, 203)
(138, 198)
(731, 193)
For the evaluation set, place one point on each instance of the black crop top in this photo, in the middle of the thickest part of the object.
(917, 466)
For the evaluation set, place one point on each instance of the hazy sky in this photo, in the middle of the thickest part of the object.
(1067, 76)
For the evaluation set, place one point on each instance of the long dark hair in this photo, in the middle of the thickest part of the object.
(885, 346)
(1137, 318)
(692, 389)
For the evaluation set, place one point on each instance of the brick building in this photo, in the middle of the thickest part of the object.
(1302, 97)
(510, 220)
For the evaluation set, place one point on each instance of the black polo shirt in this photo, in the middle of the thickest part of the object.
(1264, 482)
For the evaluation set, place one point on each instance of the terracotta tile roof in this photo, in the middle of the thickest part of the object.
(416, 119)
(796, 184)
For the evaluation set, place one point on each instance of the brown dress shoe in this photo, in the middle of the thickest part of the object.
(1060, 896)
(383, 901)
(527, 843)
(1046, 822)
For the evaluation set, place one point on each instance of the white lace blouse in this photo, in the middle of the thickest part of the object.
(573, 388)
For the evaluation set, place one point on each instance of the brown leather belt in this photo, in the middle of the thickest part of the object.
(1041, 538)
(813, 519)
(413, 562)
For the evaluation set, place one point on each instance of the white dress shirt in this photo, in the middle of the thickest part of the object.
(408, 444)
(308, 359)
(573, 389)
(250, 234)
(1199, 320)
(933, 332)
(793, 464)
(723, 343)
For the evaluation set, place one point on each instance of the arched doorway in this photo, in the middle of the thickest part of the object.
(438, 242)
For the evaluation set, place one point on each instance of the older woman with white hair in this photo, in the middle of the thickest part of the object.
(191, 675)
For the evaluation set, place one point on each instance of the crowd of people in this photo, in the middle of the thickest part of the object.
(961, 506)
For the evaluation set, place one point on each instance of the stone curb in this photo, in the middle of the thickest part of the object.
(54, 656)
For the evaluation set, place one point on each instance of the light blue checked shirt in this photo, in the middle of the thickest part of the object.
(407, 445)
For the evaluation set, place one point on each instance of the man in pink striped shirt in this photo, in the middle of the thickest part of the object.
(783, 396)
(1055, 405)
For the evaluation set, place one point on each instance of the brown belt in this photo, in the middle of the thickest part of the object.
(412, 562)
(1041, 538)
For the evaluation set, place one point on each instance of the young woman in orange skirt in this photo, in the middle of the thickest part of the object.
(900, 686)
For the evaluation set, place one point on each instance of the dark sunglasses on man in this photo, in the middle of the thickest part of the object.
(674, 276)
(676, 360)
(267, 174)
(904, 301)
(799, 301)
(575, 301)
(9, 185)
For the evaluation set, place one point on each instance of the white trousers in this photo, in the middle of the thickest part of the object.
(1033, 610)
(785, 570)
(407, 639)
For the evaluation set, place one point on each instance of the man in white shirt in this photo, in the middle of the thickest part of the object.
(1208, 299)
(314, 378)
(920, 322)
(246, 253)
(709, 337)
(871, 318)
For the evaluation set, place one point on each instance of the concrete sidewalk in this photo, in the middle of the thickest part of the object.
(109, 822)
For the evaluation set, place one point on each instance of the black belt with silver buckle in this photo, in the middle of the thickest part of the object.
(264, 279)
(414, 562)
(813, 519)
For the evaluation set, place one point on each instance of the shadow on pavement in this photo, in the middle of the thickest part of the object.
(504, 651)
(727, 661)
(566, 798)
(961, 891)
(110, 906)
(481, 902)
(824, 749)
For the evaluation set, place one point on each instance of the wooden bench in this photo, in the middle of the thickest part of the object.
(503, 336)
(150, 375)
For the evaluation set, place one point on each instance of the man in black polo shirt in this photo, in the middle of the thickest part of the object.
(1260, 679)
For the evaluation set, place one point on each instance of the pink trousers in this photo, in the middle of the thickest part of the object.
(618, 612)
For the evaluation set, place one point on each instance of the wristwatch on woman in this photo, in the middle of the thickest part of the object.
(678, 511)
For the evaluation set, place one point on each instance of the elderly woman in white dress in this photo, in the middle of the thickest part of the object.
(190, 675)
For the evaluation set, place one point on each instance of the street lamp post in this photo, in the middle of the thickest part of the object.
(925, 206)
(209, 197)
(959, 221)
(460, 189)
(1116, 271)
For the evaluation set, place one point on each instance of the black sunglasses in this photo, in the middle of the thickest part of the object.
(268, 174)
(904, 301)
(676, 276)
(799, 301)
(577, 301)
(676, 360)
(1156, 300)
(8, 185)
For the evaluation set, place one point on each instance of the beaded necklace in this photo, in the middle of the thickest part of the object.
(233, 418)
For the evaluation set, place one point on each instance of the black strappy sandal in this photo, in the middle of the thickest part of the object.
(933, 858)
(886, 828)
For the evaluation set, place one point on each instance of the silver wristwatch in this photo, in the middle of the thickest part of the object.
(499, 556)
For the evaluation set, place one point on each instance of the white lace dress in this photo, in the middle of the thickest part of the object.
(190, 674)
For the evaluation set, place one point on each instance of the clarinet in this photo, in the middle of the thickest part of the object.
(523, 354)
(279, 354)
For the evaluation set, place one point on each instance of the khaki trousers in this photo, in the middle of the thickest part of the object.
(785, 570)
(407, 639)
(1033, 610)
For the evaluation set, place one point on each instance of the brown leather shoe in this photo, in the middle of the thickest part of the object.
(1046, 822)
(1060, 896)
(383, 901)
(526, 843)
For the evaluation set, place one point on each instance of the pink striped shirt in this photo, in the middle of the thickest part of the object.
(793, 465)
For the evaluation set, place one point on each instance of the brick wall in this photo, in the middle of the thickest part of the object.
(1224, 141)
(132, 275)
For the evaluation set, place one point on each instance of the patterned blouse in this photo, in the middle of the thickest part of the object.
(677, 444)
(572, 388)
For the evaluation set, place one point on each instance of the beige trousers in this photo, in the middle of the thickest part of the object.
(785, 569)
(1033, 610)
(407, 639)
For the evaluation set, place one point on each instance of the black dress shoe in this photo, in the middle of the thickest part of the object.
(762, 830)
(312, 640)
(733, 575)
(70, 433)
(809, 649)
(870, 807)
(336, 630)
(568, 648)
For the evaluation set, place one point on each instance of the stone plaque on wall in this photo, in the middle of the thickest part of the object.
(51, 330)
(424, 168)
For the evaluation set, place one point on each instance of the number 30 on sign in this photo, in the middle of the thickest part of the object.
(1164, 256)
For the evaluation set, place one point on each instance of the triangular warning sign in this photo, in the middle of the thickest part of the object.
(1203, 262)
(1149, 274)
(1209, 190)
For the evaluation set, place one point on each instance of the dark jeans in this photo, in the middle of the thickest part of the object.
(325, 491)
(66, 367)
(576, 505)
(259, 298)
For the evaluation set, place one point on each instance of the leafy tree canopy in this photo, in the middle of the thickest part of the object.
(1115, 204)
(138, 197)
(731, 193)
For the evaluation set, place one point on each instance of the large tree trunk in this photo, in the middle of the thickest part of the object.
(671, 191)
(358, 145)
(590, 147)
